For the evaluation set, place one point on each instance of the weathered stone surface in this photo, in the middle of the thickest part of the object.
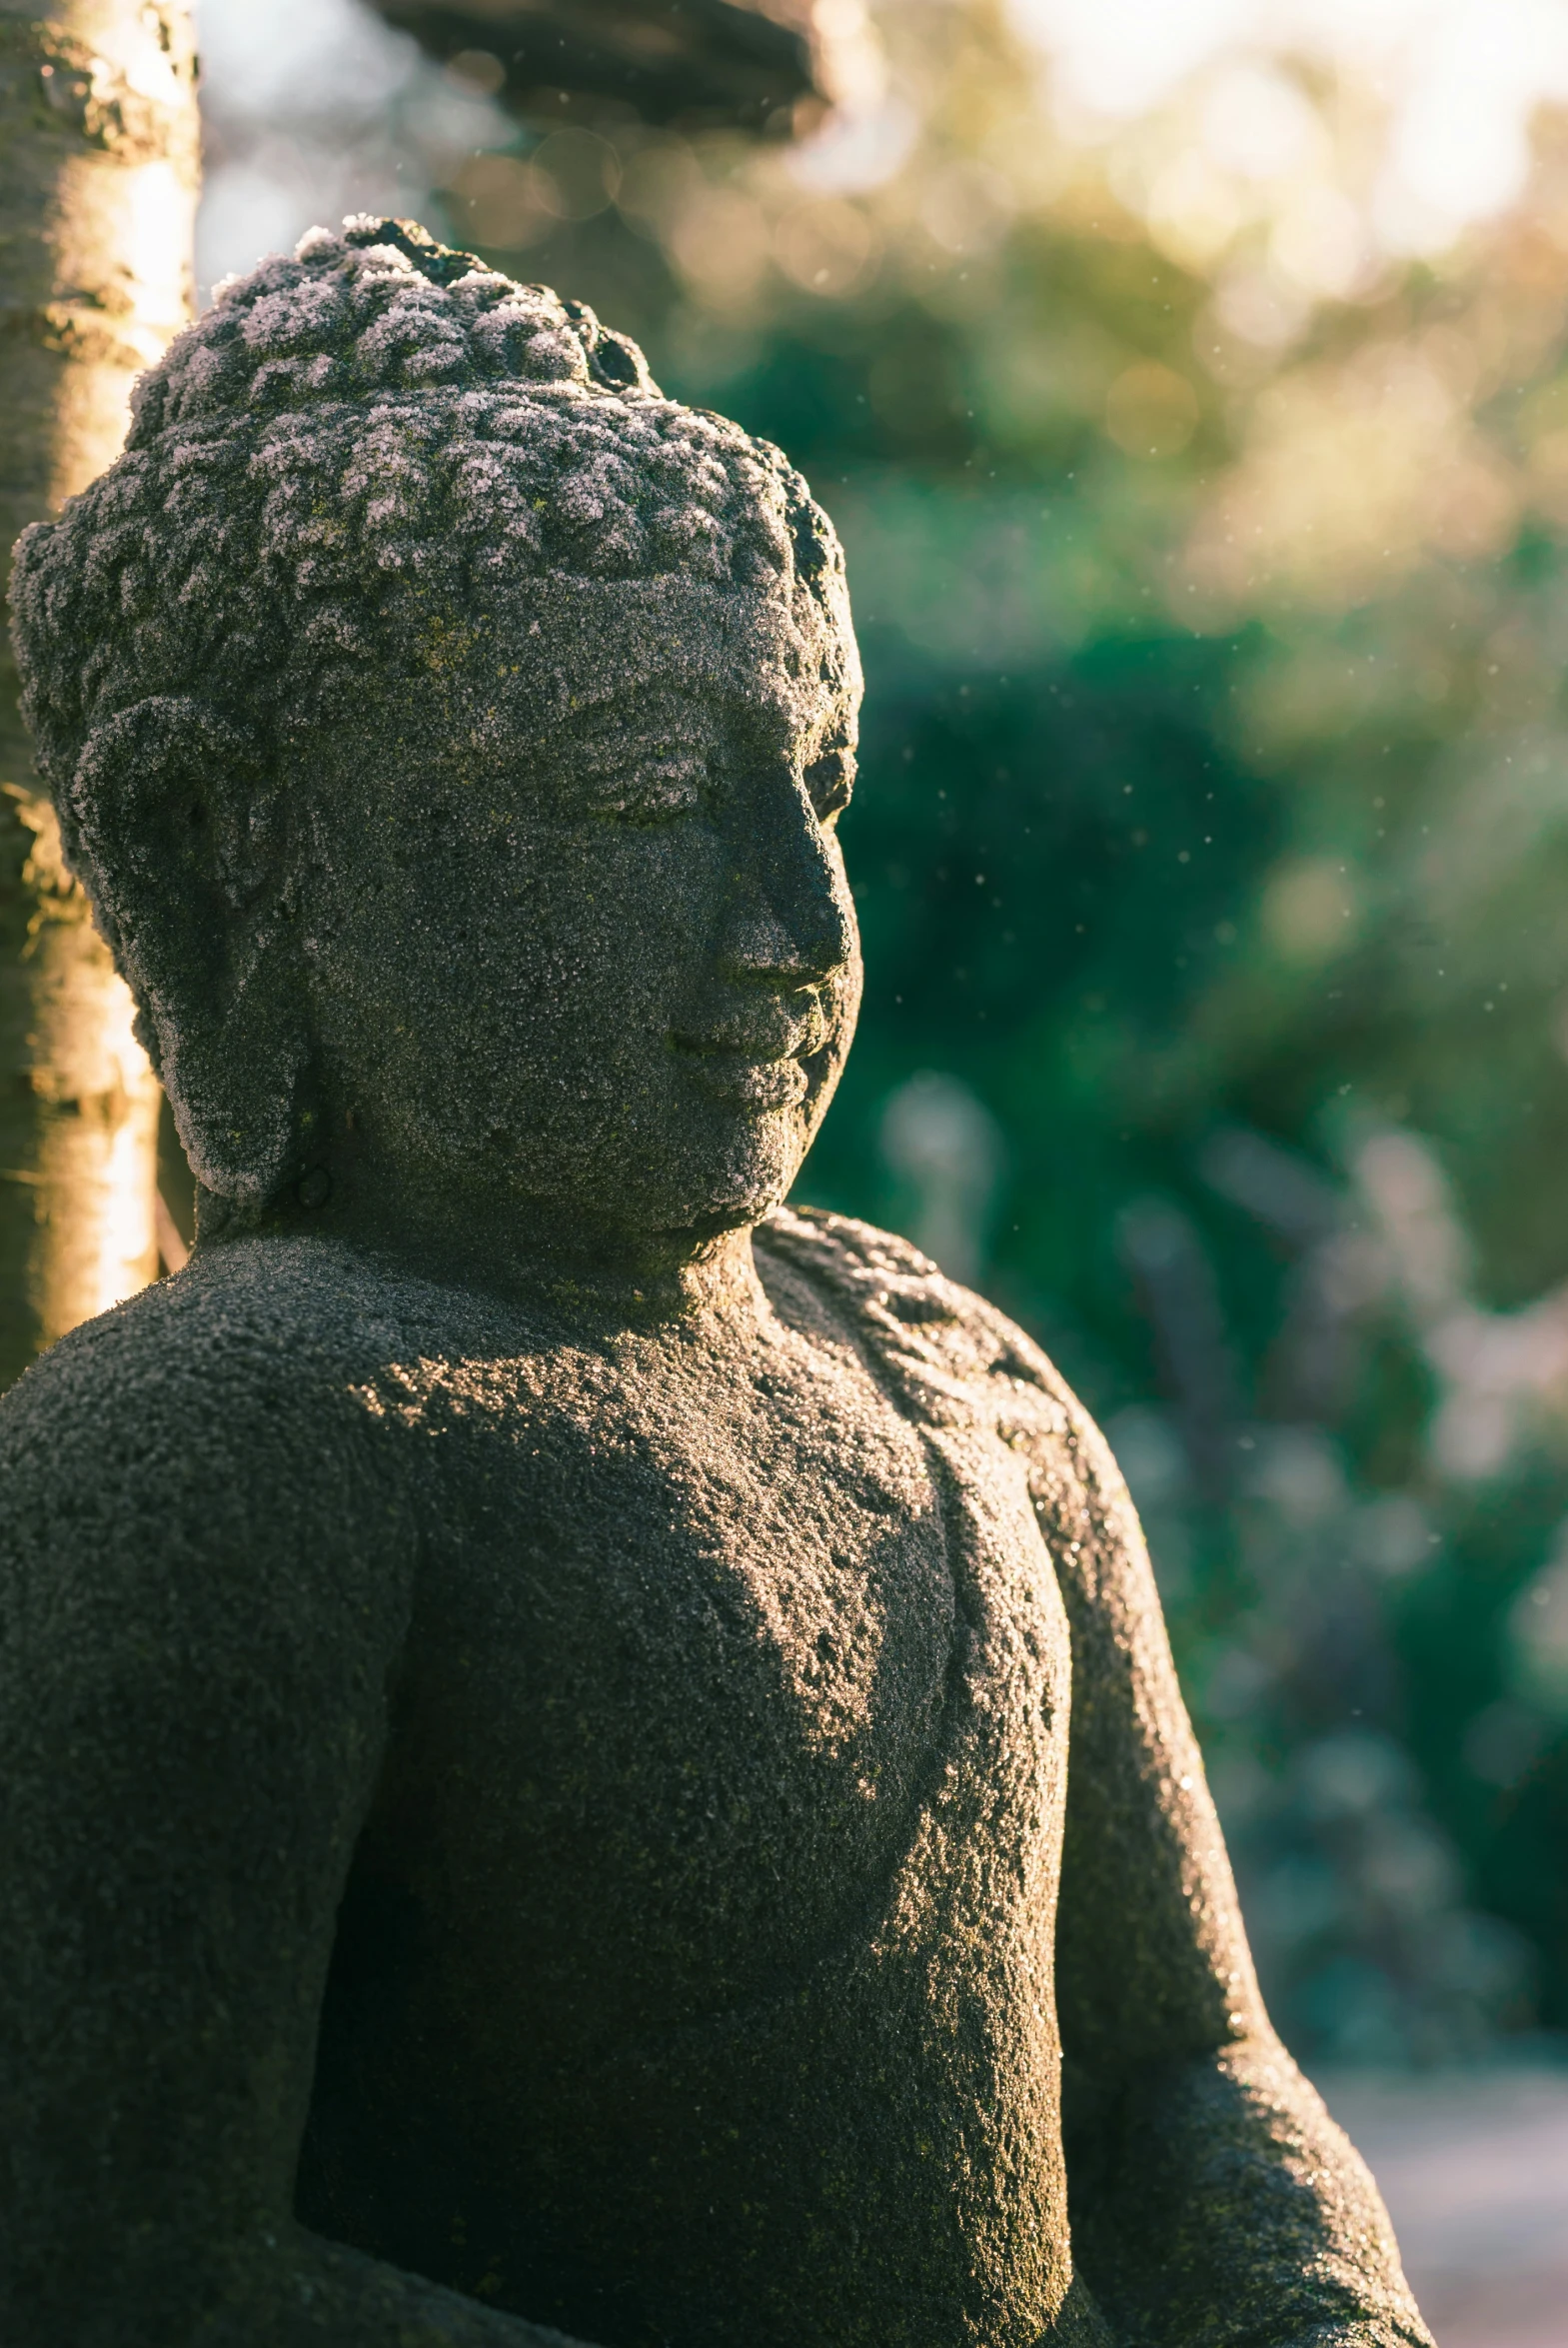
(577, 1745)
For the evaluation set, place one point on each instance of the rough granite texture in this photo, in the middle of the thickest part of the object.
(579, 1748)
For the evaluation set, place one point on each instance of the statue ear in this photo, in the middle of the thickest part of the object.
(178, 830)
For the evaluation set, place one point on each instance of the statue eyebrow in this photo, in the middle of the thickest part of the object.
(627, 693)
(657, 711)
(622, 750)
(613, 725)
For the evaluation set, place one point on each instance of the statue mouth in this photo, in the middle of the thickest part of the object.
(758, 1061)
(760, 1079)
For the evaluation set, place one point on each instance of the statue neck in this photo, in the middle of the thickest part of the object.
(587, 1275)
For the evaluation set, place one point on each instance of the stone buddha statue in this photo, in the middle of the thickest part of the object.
(582, 1752)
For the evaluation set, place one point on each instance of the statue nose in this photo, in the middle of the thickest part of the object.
(786, 923)
(763, 949)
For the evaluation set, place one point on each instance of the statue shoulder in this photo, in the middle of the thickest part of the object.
(216, 1408)
(950, 1356)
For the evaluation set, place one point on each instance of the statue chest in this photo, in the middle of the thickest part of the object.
(685, 1672)
(724, 1816)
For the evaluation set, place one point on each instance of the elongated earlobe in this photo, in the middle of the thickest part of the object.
(177, 831)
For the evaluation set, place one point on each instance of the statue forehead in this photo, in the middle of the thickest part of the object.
(557, 645)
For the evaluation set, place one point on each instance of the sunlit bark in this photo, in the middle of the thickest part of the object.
(98, 174)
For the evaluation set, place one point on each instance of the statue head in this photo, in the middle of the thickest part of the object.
(449, 730)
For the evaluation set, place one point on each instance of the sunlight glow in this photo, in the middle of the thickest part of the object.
(1456, 82)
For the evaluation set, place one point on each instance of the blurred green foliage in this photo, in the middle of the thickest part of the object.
(1209, 849)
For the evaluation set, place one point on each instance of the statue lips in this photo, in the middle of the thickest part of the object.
(757, 1084)
(758, 1063)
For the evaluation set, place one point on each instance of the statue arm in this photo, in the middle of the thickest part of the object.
(202, 1603)
(1213, 2200)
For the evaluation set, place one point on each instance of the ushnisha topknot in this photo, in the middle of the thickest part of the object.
(374, 417)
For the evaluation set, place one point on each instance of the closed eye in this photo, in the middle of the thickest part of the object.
(830, 781)
(657, 793)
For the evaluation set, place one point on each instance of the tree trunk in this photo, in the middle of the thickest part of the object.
(99, 153)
